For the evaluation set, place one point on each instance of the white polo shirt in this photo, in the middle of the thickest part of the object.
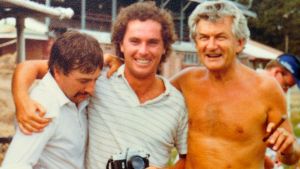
(62, 143)
(117, 120)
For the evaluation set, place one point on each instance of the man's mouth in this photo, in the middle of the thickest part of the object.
(213, 55)
(143, 61)
(82, 95)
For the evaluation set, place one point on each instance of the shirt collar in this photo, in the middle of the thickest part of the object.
(167, 84)
(53, 87)
(121, 70)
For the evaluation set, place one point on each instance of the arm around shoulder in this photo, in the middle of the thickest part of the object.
(24, 75)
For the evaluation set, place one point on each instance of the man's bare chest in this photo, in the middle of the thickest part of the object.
(232, 115)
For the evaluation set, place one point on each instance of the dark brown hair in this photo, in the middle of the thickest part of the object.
(144, 11)
(75, 51)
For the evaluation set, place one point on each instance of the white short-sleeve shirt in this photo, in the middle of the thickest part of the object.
(117, 120)
(62, 143)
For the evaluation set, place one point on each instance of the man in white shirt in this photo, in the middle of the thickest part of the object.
(74, 66)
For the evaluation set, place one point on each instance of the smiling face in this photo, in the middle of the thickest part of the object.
(77, 86)
(216, 44)
(142, 47)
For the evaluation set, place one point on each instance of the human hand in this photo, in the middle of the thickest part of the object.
(268, 163)
(113, 62)
(30, 114)
(281, 141)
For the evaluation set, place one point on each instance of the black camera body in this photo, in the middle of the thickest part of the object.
(130, 159)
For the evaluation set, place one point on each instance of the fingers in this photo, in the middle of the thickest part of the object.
(112, 70)
(31, 118)
(107, 58)
(24, 130)
(113, 62)
(278, 138)
(281, 141)
(287, 144)
(40, 109)
(37, 125)
(28, 126)
(270, 127)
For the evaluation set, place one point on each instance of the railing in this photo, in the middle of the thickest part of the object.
(5, 140)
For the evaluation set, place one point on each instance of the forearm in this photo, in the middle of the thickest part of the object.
(23, 77)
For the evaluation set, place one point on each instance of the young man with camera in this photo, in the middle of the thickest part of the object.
(135, 108)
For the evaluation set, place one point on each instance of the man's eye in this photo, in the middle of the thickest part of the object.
(202, 38)
(134, 41)
(221, 38)
(153, 42)
(83, 81)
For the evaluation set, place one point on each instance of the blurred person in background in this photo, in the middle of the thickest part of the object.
(286, 70)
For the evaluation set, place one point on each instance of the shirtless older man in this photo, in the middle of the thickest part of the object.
(231, 107)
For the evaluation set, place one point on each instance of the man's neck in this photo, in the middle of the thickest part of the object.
(146, 88)
(225, 75)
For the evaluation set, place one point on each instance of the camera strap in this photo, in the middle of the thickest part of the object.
(108, 163)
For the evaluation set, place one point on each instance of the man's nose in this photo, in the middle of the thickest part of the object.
(211, 44)
(90, 88)
(143, 49)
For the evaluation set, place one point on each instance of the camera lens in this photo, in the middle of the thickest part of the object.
(137, 162)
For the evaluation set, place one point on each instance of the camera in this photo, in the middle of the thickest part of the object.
(130, 159)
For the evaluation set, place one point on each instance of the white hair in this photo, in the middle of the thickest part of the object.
(214, 10)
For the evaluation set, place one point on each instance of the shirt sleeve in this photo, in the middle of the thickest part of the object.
(25, 150)
(181, 139)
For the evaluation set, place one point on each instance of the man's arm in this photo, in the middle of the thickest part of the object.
(177, 78)
(24, 76)
(282, 140)
(113, 62)
(180, 164)
(24, 151)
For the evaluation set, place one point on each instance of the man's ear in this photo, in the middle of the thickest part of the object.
(277, 71)
(57, 72)
(240, 45)
(121, 47)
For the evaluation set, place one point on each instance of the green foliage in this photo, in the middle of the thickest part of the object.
(295, 119)
(276, 19)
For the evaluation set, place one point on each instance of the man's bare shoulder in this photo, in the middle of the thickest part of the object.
(267, 82)
(187, 75)
(269, 89)
(191, 72)
(261, 82)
